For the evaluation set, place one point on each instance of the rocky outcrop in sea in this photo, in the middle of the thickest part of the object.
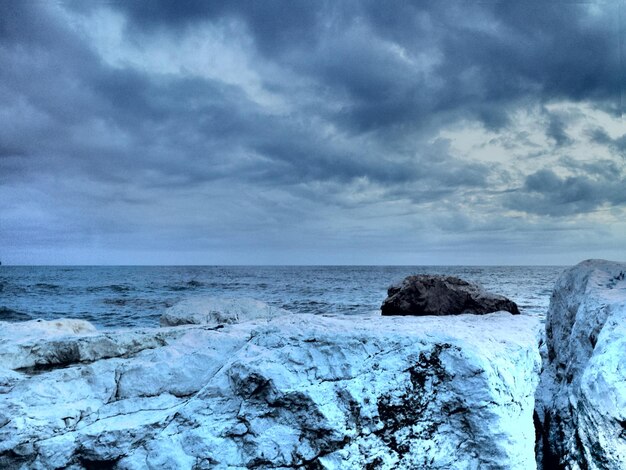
(428, 294)
(238, 384)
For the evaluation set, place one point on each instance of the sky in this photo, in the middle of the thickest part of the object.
(312, 132)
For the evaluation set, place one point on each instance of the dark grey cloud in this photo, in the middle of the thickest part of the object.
(276, 25)
(546, 193)
(617, 144)
(488, 54)
(556, 131)
(341, 110)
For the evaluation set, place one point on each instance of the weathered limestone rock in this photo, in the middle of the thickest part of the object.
(218, 311)
(427, 294)
(41, 345)
(581, 401)
(292, 391)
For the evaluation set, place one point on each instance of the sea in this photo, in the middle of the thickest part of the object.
(136, 296)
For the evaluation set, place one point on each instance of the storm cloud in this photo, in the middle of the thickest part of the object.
(311, 132)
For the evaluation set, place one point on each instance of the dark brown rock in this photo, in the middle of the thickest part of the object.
(426, 294)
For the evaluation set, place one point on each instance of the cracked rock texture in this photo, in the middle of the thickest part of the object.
(581, 400)
(294, 391)
(427, 294)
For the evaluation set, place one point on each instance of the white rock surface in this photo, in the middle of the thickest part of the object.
(218, 311)
(294, 391)
(39, 344)
(581, 401)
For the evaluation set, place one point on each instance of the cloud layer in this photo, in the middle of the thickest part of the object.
(311, 132)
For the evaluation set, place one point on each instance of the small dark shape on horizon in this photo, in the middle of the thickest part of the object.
(442, 295)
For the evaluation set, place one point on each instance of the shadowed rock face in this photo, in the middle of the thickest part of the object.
(442, 295)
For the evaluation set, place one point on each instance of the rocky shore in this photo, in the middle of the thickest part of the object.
(237, 384)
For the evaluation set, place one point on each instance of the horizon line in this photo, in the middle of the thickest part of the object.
(276, 265)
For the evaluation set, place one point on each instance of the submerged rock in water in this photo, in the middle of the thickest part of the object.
(294, 391)
(218, 311)
(581, 400)
(427, 294)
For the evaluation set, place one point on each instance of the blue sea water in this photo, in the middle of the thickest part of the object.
(128, 296)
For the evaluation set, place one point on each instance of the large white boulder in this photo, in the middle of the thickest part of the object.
(215, 311)
(581, 401)
(293, 391)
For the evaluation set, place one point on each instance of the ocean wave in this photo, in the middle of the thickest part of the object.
(136, 302)
(189, 285)
(117, 302)
(112, 287)
(45, 285)
(178, 288)
(308, 306)
(8, 314)
(119, 288)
